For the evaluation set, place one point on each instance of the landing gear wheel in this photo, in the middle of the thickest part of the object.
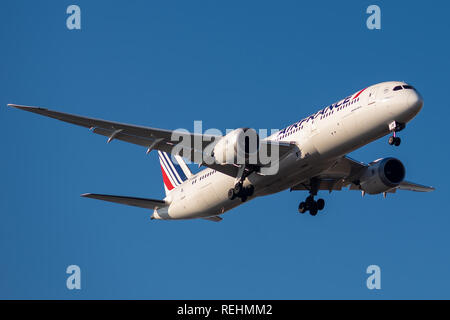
(320, 204)
(310, 204)
(394, 141)
(313, 209)
(238, 189)
(302, 207)
(250, 190)
(391, 140)
(231, 194)
(309, 201)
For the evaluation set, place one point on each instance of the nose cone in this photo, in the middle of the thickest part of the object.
(415, 101)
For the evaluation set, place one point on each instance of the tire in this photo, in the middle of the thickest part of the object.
(244, 198)
(391, 140)
(302, 207)
(313, 209)
(250, 190)
(231, 194)
(320, 204)
(397, 141)
(238, 189)
(309, 201)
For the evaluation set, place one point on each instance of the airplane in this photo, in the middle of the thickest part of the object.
(312, 156)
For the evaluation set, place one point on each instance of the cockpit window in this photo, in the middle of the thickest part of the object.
(398, 88)
(408, 87)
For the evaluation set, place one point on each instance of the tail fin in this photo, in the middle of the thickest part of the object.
(174, 173)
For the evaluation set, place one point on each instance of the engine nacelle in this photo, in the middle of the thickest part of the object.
(237, 147)
(382, 175)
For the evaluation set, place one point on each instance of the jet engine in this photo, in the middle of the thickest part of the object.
(239, 146)
(382, 175)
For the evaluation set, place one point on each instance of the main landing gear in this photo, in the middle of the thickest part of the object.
(310, 204)
(395, 127)
(239, 191)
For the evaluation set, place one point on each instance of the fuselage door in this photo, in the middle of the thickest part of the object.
(313, 130)
(371, 97)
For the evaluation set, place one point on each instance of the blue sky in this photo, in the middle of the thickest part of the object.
(262, 64)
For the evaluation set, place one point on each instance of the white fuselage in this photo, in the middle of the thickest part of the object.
(321, 138)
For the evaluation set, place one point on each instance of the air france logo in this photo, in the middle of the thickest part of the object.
(330, 108)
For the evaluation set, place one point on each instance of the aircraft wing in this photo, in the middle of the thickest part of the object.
(345, 172)
(152, 138)
(129, 201)
(140, 135)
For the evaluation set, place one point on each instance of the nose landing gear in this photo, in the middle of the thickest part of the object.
(395, 127)
(394, 141)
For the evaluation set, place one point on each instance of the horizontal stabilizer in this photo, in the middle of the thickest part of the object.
(129, 201)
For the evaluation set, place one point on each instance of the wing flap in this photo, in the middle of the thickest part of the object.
(329, 184)
(213, 219)
(129, 201)
(141, 141)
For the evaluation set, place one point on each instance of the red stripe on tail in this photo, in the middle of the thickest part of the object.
(166, 180)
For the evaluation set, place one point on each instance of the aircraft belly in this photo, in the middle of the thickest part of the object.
(292, 171)
(207, 200)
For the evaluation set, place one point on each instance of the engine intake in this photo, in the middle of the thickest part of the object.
(382, 175)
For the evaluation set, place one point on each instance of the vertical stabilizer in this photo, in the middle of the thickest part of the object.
(174, 173)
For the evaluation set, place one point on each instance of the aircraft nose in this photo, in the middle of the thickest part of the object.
(415, 101)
